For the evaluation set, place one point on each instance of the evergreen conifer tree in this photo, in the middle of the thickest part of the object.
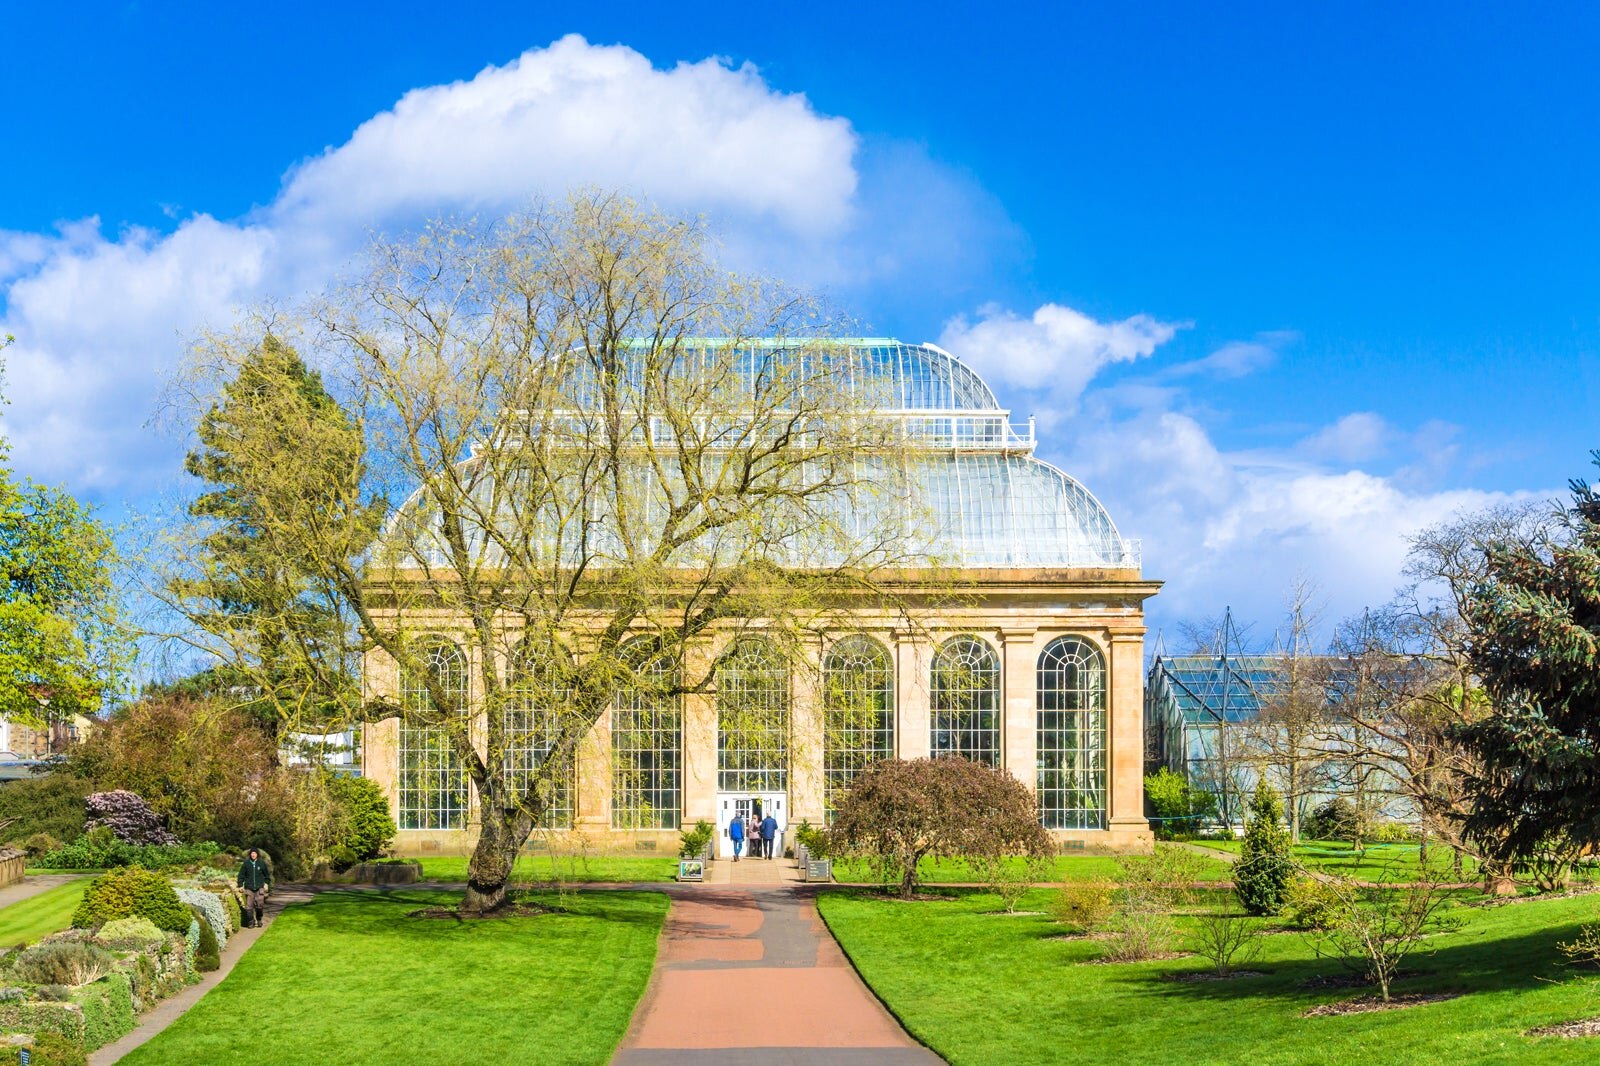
(1261, 876)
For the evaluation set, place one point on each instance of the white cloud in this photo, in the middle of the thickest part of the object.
(1056, 350)
(100, 320)
(1357, 437)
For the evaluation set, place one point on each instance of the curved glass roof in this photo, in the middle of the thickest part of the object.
(923, 377)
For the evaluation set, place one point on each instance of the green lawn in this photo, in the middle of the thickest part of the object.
(37, 916)
(980, 987)
(1375, 862)
(936, 871)
(348, 978)
(534, 869)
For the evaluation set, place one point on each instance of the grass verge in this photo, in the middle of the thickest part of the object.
(939, 871)
(983, 988)
(537, 869)
(348, 978)
(49, 912)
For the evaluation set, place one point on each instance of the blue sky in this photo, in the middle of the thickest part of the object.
(1286, 285)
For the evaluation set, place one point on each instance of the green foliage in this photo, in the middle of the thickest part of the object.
(39, 845)
(230, 903)
(208, 954)
(47, 804)
(131, 933)
(275, 443)
(1390, 832)
(191, 941)
(1372, 929)
(1337, 819)
(210, 906)
(1084, 905)
(42, 1016)
(1534, 619)
(49, 1049)
(1266, 862)
(1309, 903)
(369, 828)
(899, 810)
(70, 963)
(133, 892)
(1150, 888)
(692, 842)
(98, 849)
(814, 838)
(58, 608)
(1178, 807)
(107, 1010)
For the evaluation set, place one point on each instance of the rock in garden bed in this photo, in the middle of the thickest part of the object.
(1367, 1004)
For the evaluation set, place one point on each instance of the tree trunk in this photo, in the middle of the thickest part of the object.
(500, 838)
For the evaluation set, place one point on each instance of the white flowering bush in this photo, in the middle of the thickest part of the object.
(211, 907)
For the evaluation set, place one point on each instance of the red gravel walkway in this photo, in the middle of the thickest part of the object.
(750, 975)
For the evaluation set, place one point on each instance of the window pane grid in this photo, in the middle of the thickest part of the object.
(752, 720)
(858, 713)
(432, 785)
(1072, 736)
(966, 701)
(646, 747)
(531, 721)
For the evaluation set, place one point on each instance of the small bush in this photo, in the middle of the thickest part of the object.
(813, 838)
(1010, 877)
(40, 844)
(98, 849)
(230, 903)
(1310, 904)
(130, 893)
(63, 963)
(369, 828)
(1392, 833)
(107, 1010)
(211, 907)
(208, 954)
(693, 841)
(1133, 933)
(1336, 819)
(1177, 807)
(1084, 905)
(1584, 949)
(1227, 940)
(49, 1049)
(131, 933)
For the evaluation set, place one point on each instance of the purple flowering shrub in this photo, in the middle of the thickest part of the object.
(129, 818)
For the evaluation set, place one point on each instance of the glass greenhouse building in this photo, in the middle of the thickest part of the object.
(1036, 666)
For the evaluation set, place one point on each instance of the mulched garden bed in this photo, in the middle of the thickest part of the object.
(1367, 1004)
(1351, 980)
(1189, 977)
(1569, 1030)
(510, 910)
(1160, 956)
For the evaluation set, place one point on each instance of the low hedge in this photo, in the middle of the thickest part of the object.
(40, 1016)
(107, 1007)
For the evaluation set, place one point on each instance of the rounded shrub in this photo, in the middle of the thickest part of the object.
(63, 963)
(207, 956)
(371, 828)
(130, 933)
(210, 906)
(132, 892)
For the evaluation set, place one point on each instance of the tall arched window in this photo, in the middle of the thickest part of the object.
(857, 712)
(537, 709)
(432, 786)
(1072, 735)
(966, 701)
(646, 744)
(752, 719)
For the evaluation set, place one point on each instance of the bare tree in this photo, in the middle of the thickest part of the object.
(575, 490)
(1286, 738)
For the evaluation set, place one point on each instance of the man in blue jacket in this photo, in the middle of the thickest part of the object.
(736, 834)
(769, 831)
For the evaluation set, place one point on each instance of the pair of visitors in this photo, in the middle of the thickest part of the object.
(736, 834)
(769, 833)
(254, 878)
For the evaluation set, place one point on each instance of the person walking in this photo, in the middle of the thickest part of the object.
(769, 831)
(254, 878)
(736, 834)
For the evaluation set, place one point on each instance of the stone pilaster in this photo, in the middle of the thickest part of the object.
(1019, 734)
(913, 657)
(1126, 728)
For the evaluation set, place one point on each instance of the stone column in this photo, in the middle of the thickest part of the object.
(1019, 734)
(380, 741)
(805, 739)
(593, 783)
(1126, 729)
(699, 743)
(912, 708)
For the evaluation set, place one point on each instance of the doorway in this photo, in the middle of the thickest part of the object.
(732, 805)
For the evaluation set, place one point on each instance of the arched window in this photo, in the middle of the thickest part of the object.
(1072, 735)
(432, 786)
(966, 701)
(537, 710)
(646, 744)
(752, 719)
(857, 712)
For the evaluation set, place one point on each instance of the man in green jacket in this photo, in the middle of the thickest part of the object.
(254, 876)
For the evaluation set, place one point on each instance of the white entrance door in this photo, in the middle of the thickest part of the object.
(731, 805)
